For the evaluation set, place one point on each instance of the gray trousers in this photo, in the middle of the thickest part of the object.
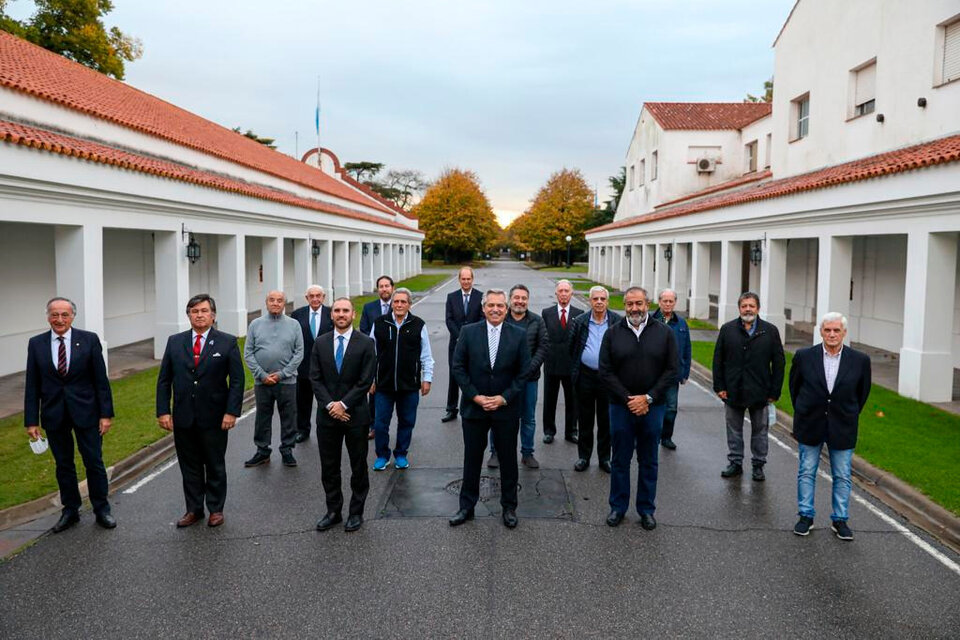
(285, 397)
(758, 436)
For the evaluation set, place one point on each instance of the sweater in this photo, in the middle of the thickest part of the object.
(274, 344)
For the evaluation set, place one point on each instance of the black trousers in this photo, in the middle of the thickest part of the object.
(200, 453)
(330, 439)
(304, 405)
(551, 392)
(592, 402)
(90, 444)
(475, 433)
(453, 390)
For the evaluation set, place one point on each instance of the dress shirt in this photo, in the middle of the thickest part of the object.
(346, 343)
(463, 297)
(643, 325)
(831, 365)
(493, 341)
(560, 309)
(426, 354)
(55, 346)
(203, 339)
(753, 327)
(591, 351)
(314, 321)
(384, 307)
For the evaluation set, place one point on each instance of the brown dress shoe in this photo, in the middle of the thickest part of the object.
(215, 519)
(188, 519)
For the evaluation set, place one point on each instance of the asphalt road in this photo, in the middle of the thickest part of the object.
(722, 563)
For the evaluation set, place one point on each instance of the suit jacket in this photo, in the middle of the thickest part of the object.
(558, 362)
(371, 311)
(351, 385)
(823, 416)
(455, 317)
(302, 315)
(82, 396)
(471, 370)
(202, 394)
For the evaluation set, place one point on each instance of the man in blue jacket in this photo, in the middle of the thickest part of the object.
(667, 315)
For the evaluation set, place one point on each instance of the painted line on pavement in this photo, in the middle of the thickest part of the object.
(910, 535)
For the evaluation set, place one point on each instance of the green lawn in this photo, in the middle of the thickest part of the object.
(918, 443)
(424, 281)
(577, 268)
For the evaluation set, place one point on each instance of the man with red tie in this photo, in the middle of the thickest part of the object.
(558, 367)
(67, 392)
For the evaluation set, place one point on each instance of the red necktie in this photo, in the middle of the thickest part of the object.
(62, 358)
(563, 318)
(196, 351)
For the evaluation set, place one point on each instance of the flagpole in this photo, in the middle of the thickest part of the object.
(317, 123)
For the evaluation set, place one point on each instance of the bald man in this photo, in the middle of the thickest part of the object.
(273, 352)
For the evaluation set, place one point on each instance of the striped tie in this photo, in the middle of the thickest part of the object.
(62, 358)
(494, 340)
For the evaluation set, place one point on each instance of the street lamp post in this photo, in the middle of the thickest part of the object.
(569, 240)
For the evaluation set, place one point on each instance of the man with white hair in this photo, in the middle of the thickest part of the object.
(558, 365)
(314, 319)
(667, 314)
(829, 386)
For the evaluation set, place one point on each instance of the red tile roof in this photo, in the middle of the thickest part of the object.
(707, 116)
(928, 154)
(19, 134)
(28, 68)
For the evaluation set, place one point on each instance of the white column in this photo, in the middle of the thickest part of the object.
(272, 256)
(647, 276)
(324, 275)
(341, 270)
(700, 281)
(355, 276)
(623, 275)
(608, 260)
(232, 278)
(680, 280)
(731, 264)
(662, 279)
(366, 262)
(614, 280)
(79, 267)
(377, 250)
(636, 265)
(926, 359)
(302, 269)
(172, 283)
(773, 282)
(834, 267)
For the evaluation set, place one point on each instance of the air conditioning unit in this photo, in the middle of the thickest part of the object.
(706, 165)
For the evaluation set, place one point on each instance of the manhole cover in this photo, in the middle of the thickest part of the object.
(489, 487)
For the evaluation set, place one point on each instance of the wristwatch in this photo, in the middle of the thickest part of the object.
(649, 399)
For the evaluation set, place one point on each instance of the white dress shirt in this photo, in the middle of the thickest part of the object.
(314, 320)
(493, 341)
(203, 338)
(346, 343)
(638, 330)
(55, 346)
(831, 365)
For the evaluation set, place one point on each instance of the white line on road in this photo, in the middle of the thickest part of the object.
(911, 536)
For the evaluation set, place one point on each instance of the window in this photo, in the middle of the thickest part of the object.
(641, 174)
(864, 89)
(750, 156)
(653, 166)
(800, 108)
(767, 150)
(632, 168)
(950, 69)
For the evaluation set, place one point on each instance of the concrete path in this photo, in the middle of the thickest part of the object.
(723, 562)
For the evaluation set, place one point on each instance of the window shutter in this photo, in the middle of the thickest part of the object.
(951, 52)
(866, 84)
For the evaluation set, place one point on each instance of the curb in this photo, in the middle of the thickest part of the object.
(118, 474)
(903, 498)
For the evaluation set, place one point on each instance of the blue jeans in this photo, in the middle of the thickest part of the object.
(406, 403)
(670, 414)
(629, 432)
(840, 460)
(528, 419)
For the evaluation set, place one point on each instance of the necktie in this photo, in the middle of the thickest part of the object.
(196, 350)
(494, 340)
(339, 355)
(313, 323)
(466, 303)
(62, 358)
(384, 309)
(563, 318)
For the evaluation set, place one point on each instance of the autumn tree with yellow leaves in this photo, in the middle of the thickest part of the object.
(456, 217)
(562, 207)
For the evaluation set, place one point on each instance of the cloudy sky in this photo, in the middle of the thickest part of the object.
(513, 90)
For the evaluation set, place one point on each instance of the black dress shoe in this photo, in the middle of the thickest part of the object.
(257, 459)
(574, 438)
(449, 417)
(604, 466)
(758, 473)
(615, 518)
(733, 469)
(67, 520)
(548, 439)
(288, 459)
(302, 437)
(106, 521)
(648, 522)
(353, 522)
(460, 517)
(510, 519)
(667, 443)
(581, 464)
(328, 521)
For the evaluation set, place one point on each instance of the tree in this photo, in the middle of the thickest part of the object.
(767, 93)
(75, 30)
(267, 142)
(562, 207)
(617, 184)
(402, 186)
(363, 172)
(456, 217)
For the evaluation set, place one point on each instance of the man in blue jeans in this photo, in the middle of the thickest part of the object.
(829, 386)
(404, 373)
(667, 315)
(538, 344)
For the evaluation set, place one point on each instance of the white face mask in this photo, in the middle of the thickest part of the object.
(39, 446)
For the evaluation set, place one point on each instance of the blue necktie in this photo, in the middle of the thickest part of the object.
(466, 303)
(339, 355)
(313, 324)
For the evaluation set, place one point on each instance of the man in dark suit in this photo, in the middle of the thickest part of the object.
(314, 319)
(463, 307)
(490, 364)
(203, 371)
(638, 361)
(558, 366)
(67, 392)
(371, 311)
(342, 369)
(829, 386)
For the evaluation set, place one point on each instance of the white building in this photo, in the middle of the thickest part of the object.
(103, 187)
(859, 211)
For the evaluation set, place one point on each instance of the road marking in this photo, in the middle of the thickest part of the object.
(911, 536)
(142, 481)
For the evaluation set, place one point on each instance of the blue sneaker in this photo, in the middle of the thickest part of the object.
(402, 462)
(381, 463)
